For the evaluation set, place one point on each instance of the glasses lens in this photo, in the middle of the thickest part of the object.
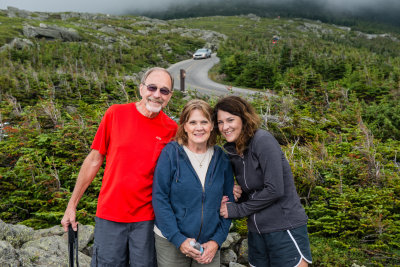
(164, 91)
(151, 88)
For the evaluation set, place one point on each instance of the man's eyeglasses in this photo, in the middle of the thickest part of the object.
(153, 88)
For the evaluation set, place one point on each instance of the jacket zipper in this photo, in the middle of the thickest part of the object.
(202, 205)
(203, 195)
(244, 172)
(245, 182)
(203, 192)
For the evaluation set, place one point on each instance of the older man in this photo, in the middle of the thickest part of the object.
(131, 136)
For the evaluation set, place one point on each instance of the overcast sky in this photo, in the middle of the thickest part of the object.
(121, 6)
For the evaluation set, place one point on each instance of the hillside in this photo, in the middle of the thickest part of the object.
(369, 16)
(336, 113)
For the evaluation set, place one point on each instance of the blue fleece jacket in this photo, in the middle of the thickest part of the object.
(182, 208)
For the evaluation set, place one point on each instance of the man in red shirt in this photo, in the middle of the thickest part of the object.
(131, 137)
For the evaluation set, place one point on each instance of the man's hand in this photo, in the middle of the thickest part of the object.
(223, 211)
(237, 191)
(188, 250)
(69, 219)
(210, 248)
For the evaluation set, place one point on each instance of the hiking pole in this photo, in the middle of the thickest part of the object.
(73, 245)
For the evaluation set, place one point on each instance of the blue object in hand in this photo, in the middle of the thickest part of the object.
(197, 246)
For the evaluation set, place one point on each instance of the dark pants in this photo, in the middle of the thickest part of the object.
(123, 244)
(279, 249)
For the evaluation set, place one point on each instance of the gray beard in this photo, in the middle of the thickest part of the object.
(153, 109)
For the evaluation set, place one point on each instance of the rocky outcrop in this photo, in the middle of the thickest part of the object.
(23, 246)
(212, 38)
(17, 43)
(13, 12)
(234, 251)
(51, 32)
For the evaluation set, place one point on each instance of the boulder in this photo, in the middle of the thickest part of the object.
(16, 235)
(55, 230)
(13, 12)
(228, 256)
(17, 43)
(49, 251)
(51, 33)
(235, 264)
(243, 253)
(8, 255)
(85, 235)
(231, 240)
(108, 30)
(22, 246)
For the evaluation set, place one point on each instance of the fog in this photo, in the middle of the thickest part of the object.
(125, 6)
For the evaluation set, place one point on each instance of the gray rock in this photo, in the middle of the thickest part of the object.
(235, 264)
(16, 235)
(143, 23)
(107, 39)
(228, 256)
(51, 32)
(231, 240)
(17, 43)
(162, 31)
(243, 253)
(85, 235)
(167, 48)
(48, 251)
(13, 12)
(253, 17)
(88, 16)
(108, 29)
(8, 255)
(143, 32)
(88, 251)
(23, 246)
(55, 230)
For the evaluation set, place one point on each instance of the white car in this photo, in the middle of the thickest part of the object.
(202, 53)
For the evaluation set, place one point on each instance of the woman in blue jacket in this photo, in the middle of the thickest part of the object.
(191, 177)
(277, 222)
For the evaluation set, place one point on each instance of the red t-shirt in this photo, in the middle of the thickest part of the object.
(131, 143)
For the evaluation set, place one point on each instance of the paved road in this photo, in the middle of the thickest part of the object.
(197, 77)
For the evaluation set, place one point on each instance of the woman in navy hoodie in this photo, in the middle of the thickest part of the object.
(277, 222)
(191, 177)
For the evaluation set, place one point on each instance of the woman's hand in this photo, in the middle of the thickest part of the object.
(210, 248)
(223, 211)
(188, 250)
(237, 191)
